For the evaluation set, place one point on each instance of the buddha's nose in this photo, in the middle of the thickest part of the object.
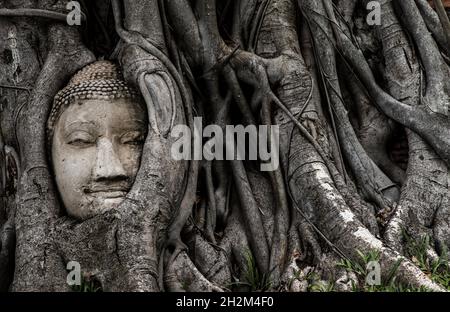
(108, 165)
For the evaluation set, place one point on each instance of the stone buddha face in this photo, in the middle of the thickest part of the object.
(96, 153)
(96, 150)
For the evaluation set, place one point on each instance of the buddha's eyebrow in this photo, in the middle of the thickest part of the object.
(127, 122)
(138, 121)
(78, 124)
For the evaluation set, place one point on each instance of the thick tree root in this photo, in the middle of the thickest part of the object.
(339, 224)
(36, 192)
(183, 275)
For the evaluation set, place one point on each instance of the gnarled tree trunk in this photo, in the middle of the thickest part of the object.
(364, 145)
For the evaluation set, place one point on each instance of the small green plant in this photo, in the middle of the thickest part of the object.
(252, 277)
(437, 269)
(359, 268)
(185, 285)
(313, 280)
(88, 285)
(315, 284)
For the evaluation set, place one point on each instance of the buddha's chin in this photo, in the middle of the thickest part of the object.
(106, 204)
(97, 207)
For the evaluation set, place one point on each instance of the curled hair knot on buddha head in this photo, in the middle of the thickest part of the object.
(101, 80)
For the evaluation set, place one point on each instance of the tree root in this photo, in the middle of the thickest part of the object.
(376, 186)
(340, 226)
(183, 275)
(427, 124)
(211, 210)
(211, 260)
(281, 213)
(433, 23)
(50, 15)
(445, 22)
(7, 242)
(35, 191)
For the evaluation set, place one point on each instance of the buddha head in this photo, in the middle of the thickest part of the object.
(96, 131)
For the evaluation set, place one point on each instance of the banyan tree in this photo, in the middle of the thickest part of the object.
(90, 95)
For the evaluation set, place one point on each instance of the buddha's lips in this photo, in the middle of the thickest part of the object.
(109, 191)
(108, 194)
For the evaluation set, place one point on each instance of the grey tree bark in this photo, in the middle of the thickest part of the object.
(364, 144)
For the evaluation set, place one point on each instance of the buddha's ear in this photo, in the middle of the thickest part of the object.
(157, 87)
(158, 91)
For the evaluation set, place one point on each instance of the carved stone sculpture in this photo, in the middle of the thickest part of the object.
(96, 132)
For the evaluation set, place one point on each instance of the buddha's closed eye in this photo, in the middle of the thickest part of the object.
(80, 138)
(133, 138)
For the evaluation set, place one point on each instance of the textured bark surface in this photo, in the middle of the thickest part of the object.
(364, 145)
